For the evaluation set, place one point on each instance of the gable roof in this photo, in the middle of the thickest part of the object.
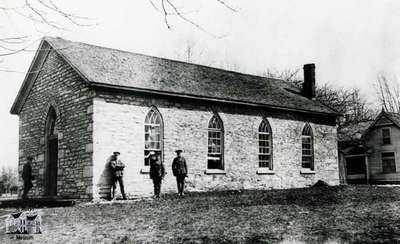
(105, 67)
(393, 118)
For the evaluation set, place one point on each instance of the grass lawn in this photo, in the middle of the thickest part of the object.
(362, 214)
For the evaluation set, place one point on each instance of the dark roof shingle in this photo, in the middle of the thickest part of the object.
(395, 117)
(100, 65)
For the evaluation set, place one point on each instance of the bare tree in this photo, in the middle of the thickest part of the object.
(169, 8)
(46, 14)
(348, 102)
(41, 14)
(288, 75)
(190, 53)
(388, 93)
(8, 180)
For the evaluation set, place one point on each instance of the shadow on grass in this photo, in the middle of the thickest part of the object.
(314, 196)
(301, 197)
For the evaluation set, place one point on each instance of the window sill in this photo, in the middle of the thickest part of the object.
(265, 171)
(215, 172)
(145, 170)
(307, 171)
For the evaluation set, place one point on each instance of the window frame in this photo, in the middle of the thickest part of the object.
(265, 129)
(307, 133)
(389, 137)
(388, 157)
(214, 131)
(159, 151)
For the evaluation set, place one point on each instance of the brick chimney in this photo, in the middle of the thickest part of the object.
(309, 81)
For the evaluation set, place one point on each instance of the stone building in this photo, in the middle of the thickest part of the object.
(79, 103)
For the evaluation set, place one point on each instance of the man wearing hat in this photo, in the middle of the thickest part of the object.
(157, 172)
(117, 172)
(27, 177)
(179, 169)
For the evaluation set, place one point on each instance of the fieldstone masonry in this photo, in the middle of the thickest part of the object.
(118, 124)
(93, 122)
(59, 86)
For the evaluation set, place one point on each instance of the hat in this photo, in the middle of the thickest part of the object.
(116, 153)
(29, 158)
(179, 151)
(152, 153)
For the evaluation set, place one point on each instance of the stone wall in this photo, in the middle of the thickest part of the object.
(118, 124)
(58, 85)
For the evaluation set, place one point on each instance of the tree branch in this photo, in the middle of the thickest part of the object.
(168, 8)
(226, 5)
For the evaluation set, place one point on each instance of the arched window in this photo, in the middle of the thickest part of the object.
(265, 145)
(153, 135)
(307, 159)
(215, 143)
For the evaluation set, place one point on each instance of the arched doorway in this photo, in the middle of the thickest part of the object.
(51, 154)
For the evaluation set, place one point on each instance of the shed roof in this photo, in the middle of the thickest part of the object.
(113, 68)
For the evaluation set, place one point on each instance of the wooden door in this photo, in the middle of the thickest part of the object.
(52, 167)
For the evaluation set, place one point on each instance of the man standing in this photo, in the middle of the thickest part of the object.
(179, 169)
(117, 172)
(157, 172)
(27, 177)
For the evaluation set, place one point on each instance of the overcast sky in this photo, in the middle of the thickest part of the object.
(349, 41)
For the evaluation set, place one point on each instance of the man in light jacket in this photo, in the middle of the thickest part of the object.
(117, 172)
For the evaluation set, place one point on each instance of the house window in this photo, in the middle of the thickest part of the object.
(307, 159)
(386, 136)
(153, 135)
(388, 162)
(265, 145)
(215, 143)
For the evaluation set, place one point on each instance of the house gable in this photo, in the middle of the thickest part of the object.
(384, 121)
(56, 87)
(34, 69)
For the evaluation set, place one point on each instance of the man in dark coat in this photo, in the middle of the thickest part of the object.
(179, 169)
(157, 172)
(27, 177)
(117, 173)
